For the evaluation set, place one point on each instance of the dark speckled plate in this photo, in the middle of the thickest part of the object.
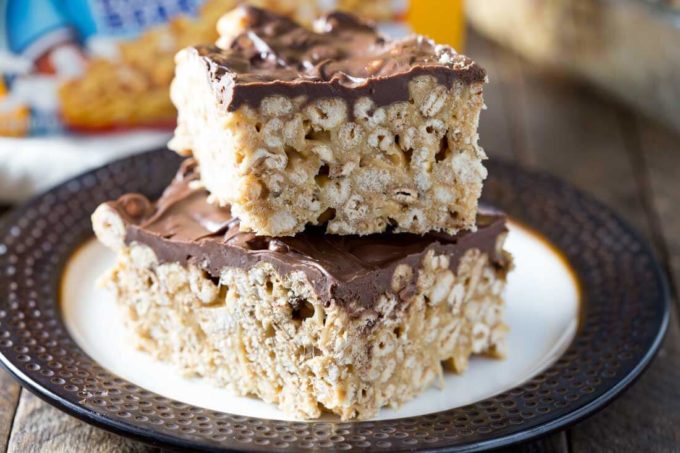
(624, 318)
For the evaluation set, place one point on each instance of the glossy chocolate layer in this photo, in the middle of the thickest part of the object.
(182, 227)
(348, 59)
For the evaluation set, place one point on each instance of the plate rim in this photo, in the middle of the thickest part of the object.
(522, 434)
(154, 437)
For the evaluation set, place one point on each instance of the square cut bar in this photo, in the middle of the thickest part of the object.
(312, 323)
(340, 126)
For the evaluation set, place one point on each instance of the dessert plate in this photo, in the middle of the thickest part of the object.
(587, 306)
(540, 334)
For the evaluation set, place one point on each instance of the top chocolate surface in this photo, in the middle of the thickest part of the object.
(183, 227)
(346, 58)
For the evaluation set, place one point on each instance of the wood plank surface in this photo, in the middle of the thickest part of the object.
(497, 129)
(38, 427)
(9, 398)
(660, 157)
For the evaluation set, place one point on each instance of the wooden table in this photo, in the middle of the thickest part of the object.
(544, 122)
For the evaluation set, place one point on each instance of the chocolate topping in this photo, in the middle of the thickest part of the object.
(348, 58)
(182, 227)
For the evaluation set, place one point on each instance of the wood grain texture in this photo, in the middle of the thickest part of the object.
(38, 427)
(575, 134)
(496, 128)
(9, 398)
(660, 157)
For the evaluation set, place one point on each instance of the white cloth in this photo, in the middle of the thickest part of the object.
(31, 165)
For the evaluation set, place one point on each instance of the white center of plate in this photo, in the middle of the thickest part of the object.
(542, 312)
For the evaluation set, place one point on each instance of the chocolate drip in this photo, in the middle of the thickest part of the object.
(182, 227)
(348, 59)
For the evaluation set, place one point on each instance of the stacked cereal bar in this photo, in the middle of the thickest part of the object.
(347, 324)
(333, 136)
(340, 127)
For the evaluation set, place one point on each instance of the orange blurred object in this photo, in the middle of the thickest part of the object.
(441, 20)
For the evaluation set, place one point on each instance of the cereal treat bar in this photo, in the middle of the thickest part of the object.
(341, 127)
(312, 323)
